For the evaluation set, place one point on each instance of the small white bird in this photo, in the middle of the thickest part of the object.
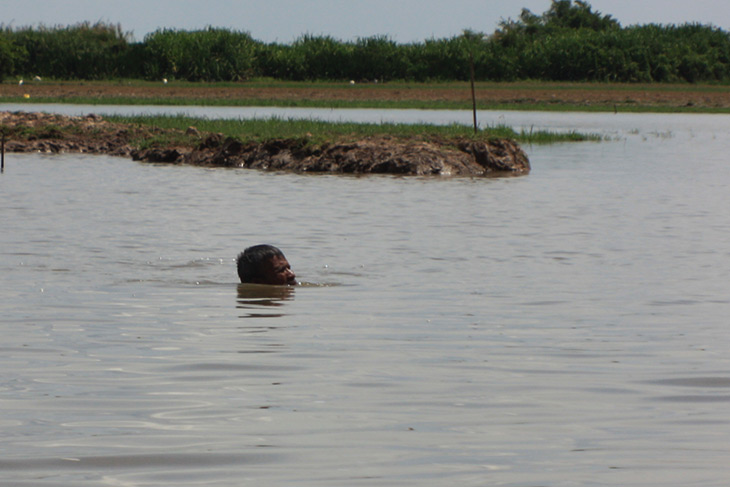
(20, 83)
(164, 80)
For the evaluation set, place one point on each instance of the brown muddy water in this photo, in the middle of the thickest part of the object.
(568, 328)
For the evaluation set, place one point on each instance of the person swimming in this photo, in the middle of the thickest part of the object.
(265, 264)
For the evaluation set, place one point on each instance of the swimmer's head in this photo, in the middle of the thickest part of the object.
(265, 264)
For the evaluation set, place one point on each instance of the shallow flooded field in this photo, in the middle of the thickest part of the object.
(565, 328)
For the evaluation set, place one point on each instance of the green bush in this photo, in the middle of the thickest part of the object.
(82, 51)
(203, 55)
(9, 55)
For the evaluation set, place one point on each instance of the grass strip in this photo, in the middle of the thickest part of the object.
(320, 132)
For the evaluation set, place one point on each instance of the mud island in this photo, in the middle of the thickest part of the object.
(377, 154)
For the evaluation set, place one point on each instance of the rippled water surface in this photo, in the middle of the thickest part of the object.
(568, 328)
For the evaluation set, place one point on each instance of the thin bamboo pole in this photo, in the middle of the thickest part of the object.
(473, 94)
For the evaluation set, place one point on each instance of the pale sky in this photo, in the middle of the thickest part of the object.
(285, 20)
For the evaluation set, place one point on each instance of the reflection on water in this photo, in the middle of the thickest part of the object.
(255, 299)
(565, 328)
(264, 295)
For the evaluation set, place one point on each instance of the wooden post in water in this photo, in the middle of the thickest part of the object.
(473, 94)
(2, 153)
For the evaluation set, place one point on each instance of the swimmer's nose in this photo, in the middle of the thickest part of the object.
(291, 277)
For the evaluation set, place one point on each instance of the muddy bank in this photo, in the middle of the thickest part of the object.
(516, 94)
(373, 155)
(50, 133)
(37, 132)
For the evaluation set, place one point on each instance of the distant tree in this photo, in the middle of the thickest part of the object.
(576, 15)
(562, 15)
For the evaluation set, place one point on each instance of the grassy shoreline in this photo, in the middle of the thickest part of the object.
(321, 132)
(159, 131)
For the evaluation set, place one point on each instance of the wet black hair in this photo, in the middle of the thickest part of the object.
(249, 262)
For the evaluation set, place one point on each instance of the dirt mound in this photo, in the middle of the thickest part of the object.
(37, 132)
(372, 155)
(43, 132)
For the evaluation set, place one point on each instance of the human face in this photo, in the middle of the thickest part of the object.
(277, 271)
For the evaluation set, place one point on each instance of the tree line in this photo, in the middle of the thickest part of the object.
(568, 42)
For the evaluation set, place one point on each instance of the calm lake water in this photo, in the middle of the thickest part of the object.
(568, 328)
